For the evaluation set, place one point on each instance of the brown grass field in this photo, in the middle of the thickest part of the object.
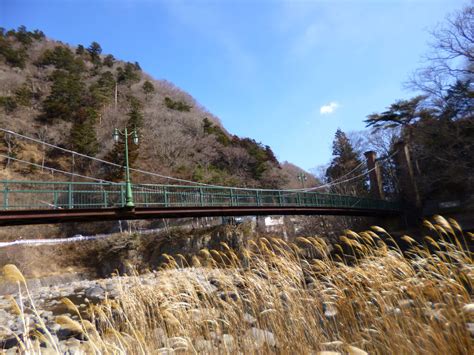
(367, 296)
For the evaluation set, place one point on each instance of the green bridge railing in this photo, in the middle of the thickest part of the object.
(16, 195)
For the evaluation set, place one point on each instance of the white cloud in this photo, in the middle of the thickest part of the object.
(328, 108)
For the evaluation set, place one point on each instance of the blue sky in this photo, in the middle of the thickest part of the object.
(286, 73)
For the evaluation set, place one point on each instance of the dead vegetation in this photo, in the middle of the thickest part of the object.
(292, 298)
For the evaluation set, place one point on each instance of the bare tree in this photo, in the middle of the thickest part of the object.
(451, 57)
(10, 144)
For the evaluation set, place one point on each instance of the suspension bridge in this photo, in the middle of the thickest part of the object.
(44, 202)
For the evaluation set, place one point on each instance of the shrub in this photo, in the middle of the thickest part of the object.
(109, 60)
(13, 57)
(128, 74)
(8, 103)
(24, 95)
(62, 58)
(210, 128)
(177, 105)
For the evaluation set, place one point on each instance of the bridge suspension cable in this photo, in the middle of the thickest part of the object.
(54, 169)
(335, 182)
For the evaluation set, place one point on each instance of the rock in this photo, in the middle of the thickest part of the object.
(8, 343)
(64, 334)
(259, 337)
(284, 297)
(228, 342)
(178, 343)
(208, 286)
(95, 293)
(468, 308)
(75, 350)
(394, 311)
(470, 328)
(333, 344)
(12, 351)
(352, 350)
(54, 327)
(434, 314)
(214, 335)
(328, 353)
(51, 351)
(249, 319)
(72, 342)
(228, 296)
(330, 311)
(47, 314)
(403, 304)
(204, 346)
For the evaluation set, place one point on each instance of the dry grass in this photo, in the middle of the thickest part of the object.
(368, 297)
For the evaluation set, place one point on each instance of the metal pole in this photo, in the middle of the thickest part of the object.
(5, 195)
(128, 184)
(302, 177)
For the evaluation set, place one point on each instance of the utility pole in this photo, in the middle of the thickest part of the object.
(116, 95)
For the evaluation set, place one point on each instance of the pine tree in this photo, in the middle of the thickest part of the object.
(148, 88)
(80, 50)
(344, 164)
(83, 136)
(109, 60)
(65, 99)
(94, 51)
(117, 154)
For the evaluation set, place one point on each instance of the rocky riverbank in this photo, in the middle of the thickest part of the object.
(48, 301)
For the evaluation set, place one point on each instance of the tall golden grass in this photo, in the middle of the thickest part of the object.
(366, 296)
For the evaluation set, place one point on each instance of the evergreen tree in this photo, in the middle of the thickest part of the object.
(148, 88)
(24, 36)
(94, 51)
(65, 98)
(83, 136)
(129, 74)
(62, 58)
(103, 90)
(135, 115)
(116, 155)
(109, 60)
(344, 163)
(80, 50)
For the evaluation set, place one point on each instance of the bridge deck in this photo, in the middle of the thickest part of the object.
(25, 202)
(22, 217)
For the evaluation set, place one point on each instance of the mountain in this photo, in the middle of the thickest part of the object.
(74, 97)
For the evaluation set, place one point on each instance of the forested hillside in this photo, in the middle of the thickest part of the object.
(74, 97)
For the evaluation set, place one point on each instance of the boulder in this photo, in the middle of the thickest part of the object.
(95, 293)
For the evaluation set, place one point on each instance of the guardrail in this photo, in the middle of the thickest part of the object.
(18, 195)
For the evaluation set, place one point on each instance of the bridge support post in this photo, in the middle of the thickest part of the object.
(409, 194)
(231, 195)
(69, 196)
(375, 176)
(5, 195)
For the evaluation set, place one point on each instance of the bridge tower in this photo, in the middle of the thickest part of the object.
(409, 194)
(376, 190)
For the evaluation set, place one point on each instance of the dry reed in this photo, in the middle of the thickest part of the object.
(367, 296)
